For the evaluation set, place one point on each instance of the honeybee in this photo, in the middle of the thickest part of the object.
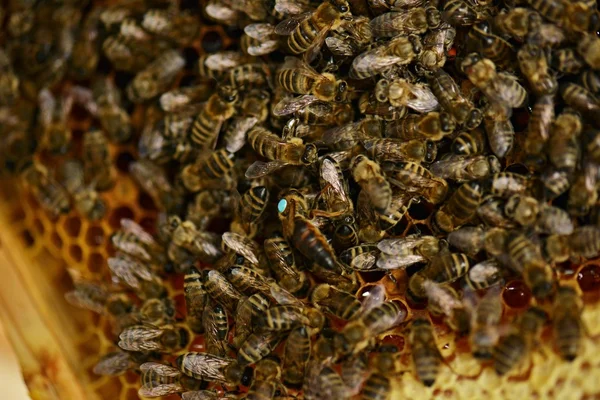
(567, 61)
(223, 13)
(308, 239)
(178, 99)
(207, 367)
(132, 239)
(485, 331)
(353, 371)
(161, 380)
(526, 257)
(585, 241)
(216, 329)
(347, 136)
(377, 111)
(281, 258)
(115, 363)
(153, 180)
(282, 153)
(460, 207)
(322, 380)
(534, 66)
(259, 39)
(403, 252)
(114, 119)
(285, 317)
(46, 189)
(257, 346)
(85, 198)
(55, 134)
(465, 168)
(221, 290)
(547, 35)
(401, 50)
(411, 21)
(462, 13)
(307, 31)
(513, 348)
(444, 268)
(136, 275)
(469, 143)
(401, 93)
(351, 37)
(538, 129)
(334, 301)
(527, 211)
(506, 184)
(558, 182)
(148, 337)
(248, 312)
(436, 44)
(573, 16)
(591, 81)
(567, 325)
(517, 22)
(414, 178)
(209, 172)
(266, 381)
(582, 101)
(471, 240)
(491, 213)
(431, 126)
(368, 175)
(425, 353)
(582, 195)
(97, 163)
(378, 385)
(491, 46)
(483, 275)
(196, 298)
(181, 28)
(588, 47)
(444, 300)
(219, 108)
(500, 87)
(165, 139)
(453, 101)
(156, 77)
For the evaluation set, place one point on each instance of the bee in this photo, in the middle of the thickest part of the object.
(462, 13)
(85, 55)
(432, 126)
(97, 163)
(182, 97)
(567, 61)
(491, 213)
(453, 101)
(506, 184)
(585, 241)
(308, 239)
(259, 39)
(113, 118)
(249, 311)
(425, 353)
(156, 77)
(511, 349)
(55, 133)
(351, 37)
(368, 175)
(582, 195)
(558, 182)
(282, 153)
(500, 87)
(469, 143)
(158, 312)
(219, 108)
(576, 17)
(207, 367)
(196, 298)
(307, 32)
(414, 178)
(136, 275)
(148, 337)
(396, 150)
(353, 371)
(161, 380)
(252, 205)
(334, 187)
(345, 234)
(591, 81)
(403, 252)
(400, 50)
(209, 172)
(85, 198)
(445, 301)
(401, 93)
(527, 211)
(115, 363)
(377, 111)
(378, 385)
(547, 35)
(588, 48)
(132, 239)
(330, 299)
(491, 46)
(281, 258)
(581, 100)
(181, 28)
(567, 325)
(153, 180)
(247, 280)
(465, 168)
(266, 381)
(436, 44)
(296, 355)
(483, 275)
(221, 290)
(357, 334)
(471, 240)
(285, 317)
(526, 257)
(322, 381)
(46, 189)
(460, 207)
(534, 65)
(485, 331)
(216, 329)
(517, 22)
(444, 268)
(540, 121)
(411, 21)
(257, 346)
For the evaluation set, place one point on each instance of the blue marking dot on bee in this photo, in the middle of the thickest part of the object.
(282, 205)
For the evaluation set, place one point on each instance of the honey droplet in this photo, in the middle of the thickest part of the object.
(589, 278)
(516, 294)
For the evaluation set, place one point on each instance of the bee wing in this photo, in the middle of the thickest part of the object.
(313, 50)
(399, 246)
(345, 133)
(389, 262)
(484, 271)
(364, 262)
(129, 270)
(207, 366)
(160, 390)
(241, 245)
(265, 47)
(259, 30)
(339, 47)
(207, 243)
(292, 7)
(224, 60)
(79, 299)
(210, 331)
(286, 27)
(258, 169)
(390, 24)
(293, 104)
(144, 338)
(243, 320)
(371, 63)
(220, 12)
(200, 395)
(235, 137)
(282, 296)
(422, 100)
(130, 226)
(374, 297)
(161, 369)
(113, 364)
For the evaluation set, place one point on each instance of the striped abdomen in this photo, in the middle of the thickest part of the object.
(309, 240)
(508, 352)
(293, 80)
(304, 35)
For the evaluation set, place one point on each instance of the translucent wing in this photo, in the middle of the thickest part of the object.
(292, 7)
(389, 262)
(372, 62)
(364, 261)
(207, 366)
(161, 369)
(314, 49)
(241, 245)
(265, 47)
(235, 137)
(339, 47)
(422, 99)
(113, 364)
(293, 104)
(130, 226)
(259, 31)
(83, 299)
(399, 246)
(282, 296)
(160, 390)
(372, 298)
(220, 12)
(258, 169)
(47, 104)
(129, 270)
(200, 395)
(224, 60)
(140, 338)
(286, 27)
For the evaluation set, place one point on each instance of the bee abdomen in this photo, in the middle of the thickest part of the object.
(508, 353)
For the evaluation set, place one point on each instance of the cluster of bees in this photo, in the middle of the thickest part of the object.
(285, 166)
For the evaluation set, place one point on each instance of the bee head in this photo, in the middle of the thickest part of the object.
(474, 118)
(311, 154)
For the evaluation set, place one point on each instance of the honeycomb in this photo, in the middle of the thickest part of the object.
(51, 247)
